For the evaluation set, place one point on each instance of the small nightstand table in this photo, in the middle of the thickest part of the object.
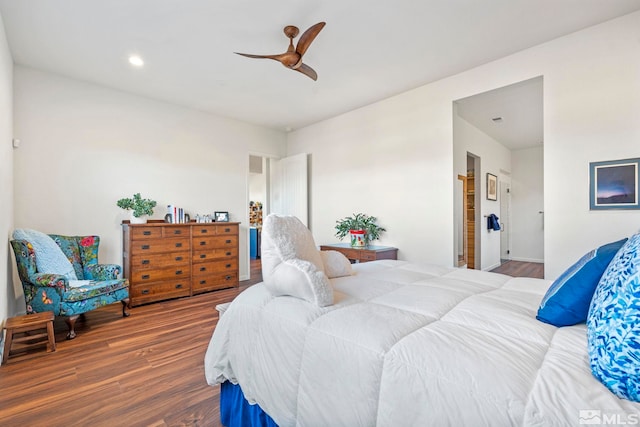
(367, 253)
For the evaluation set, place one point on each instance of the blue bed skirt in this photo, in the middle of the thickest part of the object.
(235, 411)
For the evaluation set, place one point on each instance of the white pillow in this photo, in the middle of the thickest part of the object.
(291, 262)
(49, 257)
(336, 264)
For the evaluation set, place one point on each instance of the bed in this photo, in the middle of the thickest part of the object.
(407, 344)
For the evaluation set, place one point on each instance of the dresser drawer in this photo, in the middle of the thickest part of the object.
(367, 256)
(214, 282)
(148, 261)
(203, 230)
(157, 274)
(226, 229)
(199, 243)
(176, 231)
(144, 293)
(204, 255)
(178, 244)
(143, 232)
(215, 267)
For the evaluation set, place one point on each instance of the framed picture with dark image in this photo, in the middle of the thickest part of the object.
(221, 216)
(614, 184)
(492, 187)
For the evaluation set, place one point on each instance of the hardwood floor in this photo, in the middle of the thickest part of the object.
(144, 370)
(521, 269)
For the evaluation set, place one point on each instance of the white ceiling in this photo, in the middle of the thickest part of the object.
(512, 115)
(368, 50)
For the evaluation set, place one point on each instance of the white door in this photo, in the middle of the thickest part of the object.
(505, 220)
(288, 187)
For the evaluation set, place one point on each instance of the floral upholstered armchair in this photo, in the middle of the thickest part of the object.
(88, 285)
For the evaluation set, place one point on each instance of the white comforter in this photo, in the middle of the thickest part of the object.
(411, 345)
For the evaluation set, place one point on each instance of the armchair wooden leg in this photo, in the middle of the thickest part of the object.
(126, 305)
(71, 323)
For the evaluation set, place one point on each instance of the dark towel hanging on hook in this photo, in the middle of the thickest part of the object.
(493, 223)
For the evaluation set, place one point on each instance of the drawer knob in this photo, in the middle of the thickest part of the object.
(228, 241)
(228, 266)
(178, 272)
(145, 276)
(178, 258)
(202, 282)
(145, 247)
(227, 230)
(146, 233)
(227, 278)
(145, 291)
(179, 286)
(228, 254)
(177, 231)
(203, 256)
(145, 261)
(203, 268)
(178, 245)
(204, 230)
(203, 243)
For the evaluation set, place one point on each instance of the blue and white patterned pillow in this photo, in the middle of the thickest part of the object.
(613, 324)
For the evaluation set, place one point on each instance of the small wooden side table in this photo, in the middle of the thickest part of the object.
(29, 323)
(367, 253)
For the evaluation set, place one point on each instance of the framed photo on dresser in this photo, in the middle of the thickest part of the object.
(221, 216)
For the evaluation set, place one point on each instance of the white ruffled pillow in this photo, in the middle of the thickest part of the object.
(336, 264)
(291, 262)
(49, 256)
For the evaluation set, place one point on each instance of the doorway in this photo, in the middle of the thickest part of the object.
(505, 219)
(504, 127)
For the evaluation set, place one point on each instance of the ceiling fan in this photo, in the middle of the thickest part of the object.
(292, 58)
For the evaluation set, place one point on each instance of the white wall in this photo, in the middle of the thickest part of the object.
(394, 158)
(85, 146)
(527, 200)
(494, 157)
(8, 301)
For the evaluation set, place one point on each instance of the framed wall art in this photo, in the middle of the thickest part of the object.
(492, 187)
(614, 184)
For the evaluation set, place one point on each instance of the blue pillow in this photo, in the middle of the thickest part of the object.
(613, 325)
(567, 300)
(49, 256)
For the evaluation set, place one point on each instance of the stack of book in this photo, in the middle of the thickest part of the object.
(176, 215)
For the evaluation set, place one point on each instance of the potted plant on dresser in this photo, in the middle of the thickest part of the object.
(140, 208)
(361, 228)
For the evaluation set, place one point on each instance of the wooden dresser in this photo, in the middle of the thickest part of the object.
(365, 254)
(164, 261)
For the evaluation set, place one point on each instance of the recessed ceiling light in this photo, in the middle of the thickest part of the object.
(136, 61)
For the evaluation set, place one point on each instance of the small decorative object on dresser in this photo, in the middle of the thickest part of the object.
(140, 208)
(164, 261)
(361, 228)
(222, 216)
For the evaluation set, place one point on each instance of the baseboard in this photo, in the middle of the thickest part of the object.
(245, 277)
(540, 261)
(491, 267)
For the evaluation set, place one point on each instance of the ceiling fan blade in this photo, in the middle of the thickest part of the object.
(248, 55)
(307, 71)
(308, 37)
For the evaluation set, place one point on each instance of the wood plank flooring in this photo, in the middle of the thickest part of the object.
(144, 370)
(521, 269)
